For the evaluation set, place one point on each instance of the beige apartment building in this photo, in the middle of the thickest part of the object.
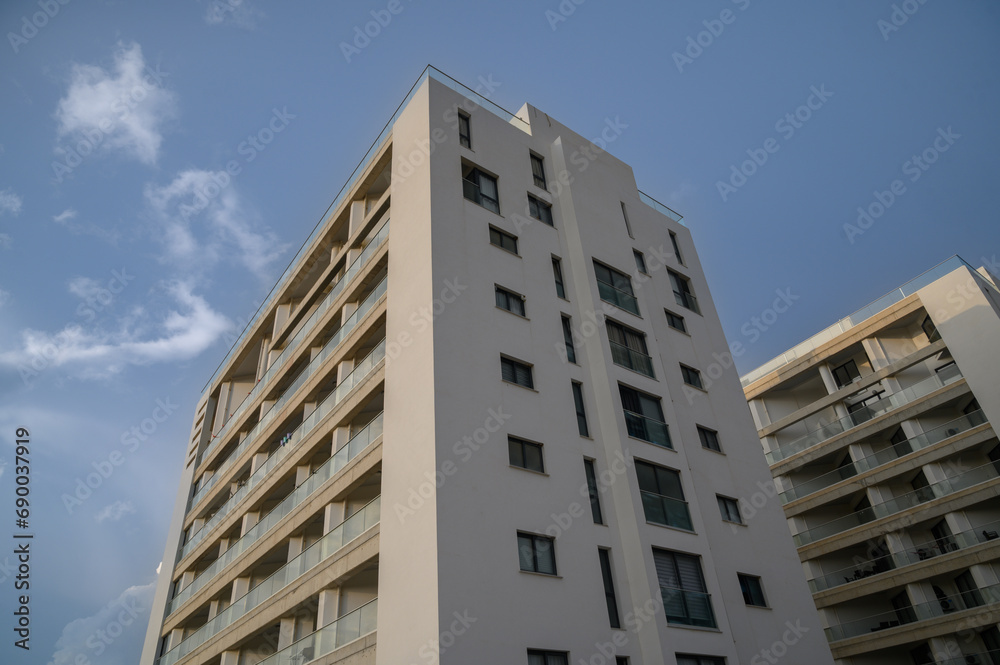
(879, 435)
(458, 432)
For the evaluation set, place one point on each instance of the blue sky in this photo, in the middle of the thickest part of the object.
(121, 288)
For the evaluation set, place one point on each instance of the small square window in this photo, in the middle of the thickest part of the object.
(691, 376)
(513, 371)
(540, 210)
(537, 657)
(536, 554)
(640, 261)
(753, 592)
(730, 509)
(503, 240)
(510, 301)
(538, 171)
(480, 187)
(464, 130)
(525, 454)
(675, 322)
(709, 439)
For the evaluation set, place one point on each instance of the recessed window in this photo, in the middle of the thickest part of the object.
(537, 554)
(536, 657)
(930, 330)
(616, 288)
(609, 587)
(540, 210)
(628, 348)
(558, 276)
(595, 498)
(480, 187)
(538, 171)
(525, 454)
(510, 301)
(846, 374)
(730, 509)
(567, 329)
(464, 130)
(691, 376)
(685, 598)
(621, 660)
(644, 417)
(581, 413)
(662, 496)
(675, 322)
(677, 249)
(516, 372)
(640, 261)
(503, 240)
(753, 592)
(628, 226)
(709, 439)
(690, 659)
(682, 292)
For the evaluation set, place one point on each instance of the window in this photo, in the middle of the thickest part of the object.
(662, 496)
(464, 131)
(753, 592)
(503, 240)
(616, 288)
(525, 454)
(675, 322)
(536, 553)
(510, 301)
(538, 171)
(609, 588)
(644, 417)
(628, 348)
(691, 376)
(709, 439)
(689, 659)
(536, 657)
(628, 227)
(480, 187)
(621, 660)
(581, 413)
(640, 261)
(568, 339)
(516, 372)
(729, 508)
(685, 598)
(967, 589)
(682, 292)
(595, 497)
(846, 374)
(540, 210)
(930, 330)
(991, 640)
(557, 275)
(677, 249)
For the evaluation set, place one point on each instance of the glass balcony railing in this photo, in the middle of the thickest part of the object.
(893, 452)
(688, 608)
(913, 613)
(662, 209)
(310, 370)
(621, 299)
(320, 551)
(666, 510)
(361, 371)
(290, 348)
(687, 300)
(631, 359)
(975, 476)
(647, 429)
(352, 626)
(325, 472)
(916, 554)
(943, 378)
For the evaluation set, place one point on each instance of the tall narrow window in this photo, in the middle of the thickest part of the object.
(464, 130)
(536, 553)
(628, 226)
(930, 330)
(557, 275)
(538, 171)
(644, 417)
(970, 593)
(581, 413)
(568, 339)
(480, 187)
(682, 292)
(516, 372)
(677, 249)
(662, 496)
(616, 288)
(595, 497)
(685, 598)
(628, 348)
(510, 301)
(609, 588)
(640, 261)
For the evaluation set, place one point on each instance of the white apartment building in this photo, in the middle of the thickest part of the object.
(879, 435)
(466, 427)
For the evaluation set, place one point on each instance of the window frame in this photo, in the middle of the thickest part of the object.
(581, 409)
(655, 471)
(618, 280)
(502, 236)
(676, 246)
(634, 342)
(567, 329)
(536, 206)
(683, 295)
(727, 507)
(510, 296)
(749, 593)
(608, 578)
(524, 444)
(515, 364)
(695, 564)
(540, 174)
(688, 373)
(844, 366)
(707, 437)
(640, 261)
(546, 654)
(643, 399)
(670, 321)
(593, 490)
(478, 197)
(465, 139)
(698, 659)
(535, 538)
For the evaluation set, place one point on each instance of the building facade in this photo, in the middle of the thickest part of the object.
(476, 423)
(879, 435)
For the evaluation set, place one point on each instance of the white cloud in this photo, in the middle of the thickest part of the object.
(10, 202)
(65, 215)
(5, 241)
(181, 334)
(66, 220)
(204, 219)
(88, 640)
(122, 111)
(233, 12)
(115, 511)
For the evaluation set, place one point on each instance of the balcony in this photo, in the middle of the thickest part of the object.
(320, 551)
(647, 429)
(942, 488)
(352, 626)
(920, 552)
(325, 472)
(620, 299)
(914, 613)
(894, 452)
(943, 378)
(688, 608)
(666, 510)
(631, 359)
(687, 300)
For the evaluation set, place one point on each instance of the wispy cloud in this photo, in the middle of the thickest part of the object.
(65, 216)
(10, 202)
(4, 297)
(115, 511)
(67, 220)
(125, 617)
(5, 241)
(203, 220)
(122, 111)
(238, 13)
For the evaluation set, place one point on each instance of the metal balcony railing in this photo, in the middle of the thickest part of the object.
(688, 608)
(631, 359)
(647, 429)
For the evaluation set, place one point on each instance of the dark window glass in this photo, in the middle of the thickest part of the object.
(682, 292)
(581, 412)
(464, 130)
(846, 373)
(516, 372)
(677, 249)
(481, 188)
(536, 553)
(640, 261)
(662, 496)
(503, 240)
(525, 454)
(753, 592)
(675, 322)
(540, 210)
(557, 274)
(568, 339)
(538, 171)
(510, 301)
(691, 376)
(616, 288)
(644, 417)
(609, 588)
(709, 439)
(595, 497)
(685, 598)
(730, 509)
